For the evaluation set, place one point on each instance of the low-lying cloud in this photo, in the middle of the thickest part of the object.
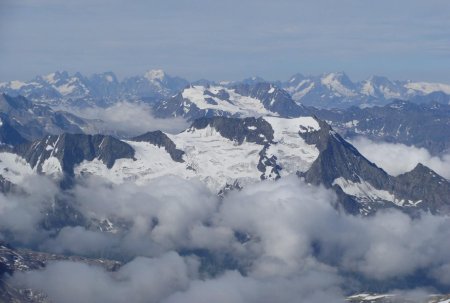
(128, 119)
(274, 241)
(396, 158)
(141, 280)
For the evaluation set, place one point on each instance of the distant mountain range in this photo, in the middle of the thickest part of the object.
(99, 89)
(336, 90)
(331, 90)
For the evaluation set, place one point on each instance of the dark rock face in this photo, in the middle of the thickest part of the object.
(159, 139)
(9, 135)
(255, 130)
(423, 184)
(72, 149)
(338, 158)
(266, 162)
(422, 125)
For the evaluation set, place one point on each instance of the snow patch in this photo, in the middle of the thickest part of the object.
(292, 152)
(216, 160)
(367, 193)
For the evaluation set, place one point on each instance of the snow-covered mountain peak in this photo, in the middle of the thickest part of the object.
(339, 82)
(220, 98)
(381, 87)
(241, 100)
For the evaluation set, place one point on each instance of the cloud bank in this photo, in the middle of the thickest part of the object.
(275, 241)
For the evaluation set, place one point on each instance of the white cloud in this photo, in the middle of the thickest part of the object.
(129, 119)
(294, 244)
(164, 214)
(141, 280)
(22, 213)
(397, 158)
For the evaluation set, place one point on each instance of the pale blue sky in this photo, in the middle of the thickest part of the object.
(228, 39)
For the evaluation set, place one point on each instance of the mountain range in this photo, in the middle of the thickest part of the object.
(330, 90)
(99, 89)
(240, 134)
(230, 153)
(426, 124)
(423, 125)
(336, 90)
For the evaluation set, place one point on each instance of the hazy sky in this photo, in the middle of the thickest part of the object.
(227, 39)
